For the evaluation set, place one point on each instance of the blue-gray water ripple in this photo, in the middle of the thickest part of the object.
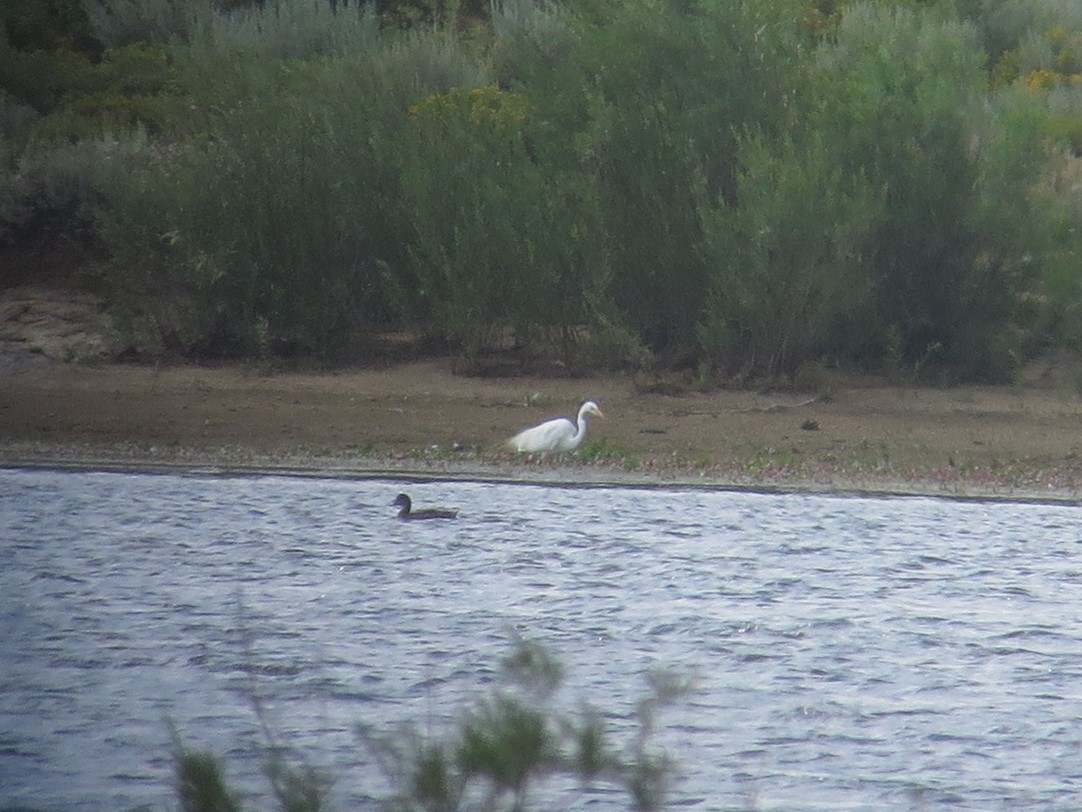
(847, 653)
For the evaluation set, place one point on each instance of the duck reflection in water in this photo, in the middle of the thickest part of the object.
(406, 512)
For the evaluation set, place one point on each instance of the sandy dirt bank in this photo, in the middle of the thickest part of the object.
(421, 420)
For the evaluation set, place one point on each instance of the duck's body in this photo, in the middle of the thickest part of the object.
(555, 435)
(406, 512)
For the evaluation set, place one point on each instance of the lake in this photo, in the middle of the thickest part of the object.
(846, 653)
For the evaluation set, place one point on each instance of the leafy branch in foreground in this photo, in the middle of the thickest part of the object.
(199, 781)
(504, 747)
(515, 739)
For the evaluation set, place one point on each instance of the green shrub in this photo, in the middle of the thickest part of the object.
(270, 208)
(450, 14)
(283, 30)
(132, 86)
(785, 258)
(46, 201)
(279, 218)
(117, 23)
(145, 277)
(501, 243)
(1057, 305)
(42, 79)
(600, 184)
(906, 111)
(667, 90)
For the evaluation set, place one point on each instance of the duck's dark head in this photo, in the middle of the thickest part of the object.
(402, 501)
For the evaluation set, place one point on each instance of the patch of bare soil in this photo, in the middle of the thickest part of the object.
(420, 419)
(41, 322)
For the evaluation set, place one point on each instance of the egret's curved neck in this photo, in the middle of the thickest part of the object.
(581, 427)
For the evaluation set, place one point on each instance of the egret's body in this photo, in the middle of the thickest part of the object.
(406, 512)
(555, 435)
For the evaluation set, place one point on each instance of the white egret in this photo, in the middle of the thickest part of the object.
(407, 513)
(559, 434)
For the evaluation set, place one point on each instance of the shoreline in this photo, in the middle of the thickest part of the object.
(419, 421)
(563, 476)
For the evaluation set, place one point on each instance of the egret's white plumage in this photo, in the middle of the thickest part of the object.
(559, 434)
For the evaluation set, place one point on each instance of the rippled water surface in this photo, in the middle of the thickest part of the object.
(848, 653)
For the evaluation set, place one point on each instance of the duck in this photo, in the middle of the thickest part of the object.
(558, 434)
(406, 512)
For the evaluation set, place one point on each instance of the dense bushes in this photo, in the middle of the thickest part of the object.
(751, 186)
(907, 114)
(785, 273)
(501, 242)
